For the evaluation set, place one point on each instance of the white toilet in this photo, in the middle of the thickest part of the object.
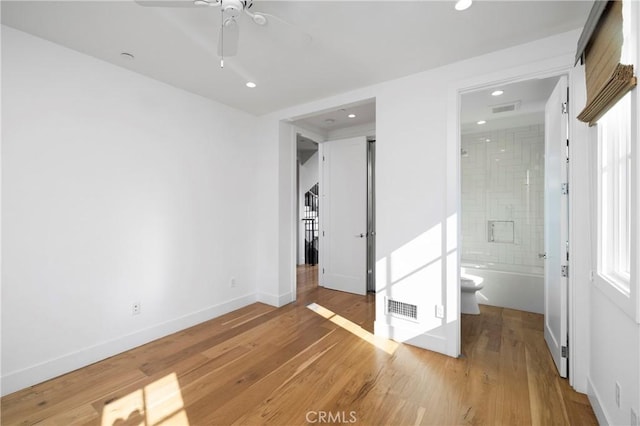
(468, 301)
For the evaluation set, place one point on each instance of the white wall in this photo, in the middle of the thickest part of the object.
(309, 174)
(614, 337)
(417, 184)
(115, 189)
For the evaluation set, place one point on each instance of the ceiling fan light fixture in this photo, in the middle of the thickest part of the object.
(259, 19)
(463, 5)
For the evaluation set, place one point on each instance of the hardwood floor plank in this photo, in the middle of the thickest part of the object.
(547, 403)
(266, 389)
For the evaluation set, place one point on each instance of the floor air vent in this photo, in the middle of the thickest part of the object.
(405, 310)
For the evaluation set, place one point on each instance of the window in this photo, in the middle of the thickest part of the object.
(614, 197)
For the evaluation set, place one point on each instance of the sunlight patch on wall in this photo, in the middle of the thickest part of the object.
(417, 253)
(414, 274)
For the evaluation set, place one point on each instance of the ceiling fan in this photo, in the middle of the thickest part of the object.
(230, 13)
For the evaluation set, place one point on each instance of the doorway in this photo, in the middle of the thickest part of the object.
(335, 128)
(308, 179)
(512, 138)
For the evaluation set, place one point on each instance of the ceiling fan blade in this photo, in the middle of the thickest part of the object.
(228, 39)
(284, 31)
(206, 43)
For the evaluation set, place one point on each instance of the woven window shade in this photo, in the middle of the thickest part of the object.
(607, 79)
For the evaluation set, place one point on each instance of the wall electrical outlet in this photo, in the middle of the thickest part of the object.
(135, 308)
(439, 311)
(617, 394)
(232, 282)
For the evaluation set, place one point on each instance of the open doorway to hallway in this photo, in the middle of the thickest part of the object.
(335, 193)
(308, 179)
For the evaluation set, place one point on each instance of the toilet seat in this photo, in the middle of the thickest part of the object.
(469, 284)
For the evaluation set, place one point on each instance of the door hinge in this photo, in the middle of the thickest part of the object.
(565, 188)
(565, 108)
(564, 271)
(323, 158)
(565, 352)
(323, 270)
(323, 233)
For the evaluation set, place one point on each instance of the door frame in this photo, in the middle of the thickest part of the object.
(287, 135)
(577, 314)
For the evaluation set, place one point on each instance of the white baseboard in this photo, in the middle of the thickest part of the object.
(412, 336)
(275, 300)
(594, 399)
(38, 373)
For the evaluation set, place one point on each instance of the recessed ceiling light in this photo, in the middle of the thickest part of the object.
(463, 4)
(329, 121)
(126, 55)
(487, 140)
(482, 122)
(250, 84)
(351, 116)
(497, 92)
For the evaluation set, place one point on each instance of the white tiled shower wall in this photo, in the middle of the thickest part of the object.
(503, 180)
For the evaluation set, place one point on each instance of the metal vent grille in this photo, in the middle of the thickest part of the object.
(402, 309)
(506, 108)
(497, 109)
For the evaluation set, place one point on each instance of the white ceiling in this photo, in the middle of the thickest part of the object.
(530, 96)
(352, 43)
(324, 122)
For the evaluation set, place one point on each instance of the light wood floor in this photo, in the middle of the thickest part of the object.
(261, 365)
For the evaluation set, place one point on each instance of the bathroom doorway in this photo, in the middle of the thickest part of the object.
(503, 190)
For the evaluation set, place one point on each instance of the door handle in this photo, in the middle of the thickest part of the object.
(361, 235)
(542, 255)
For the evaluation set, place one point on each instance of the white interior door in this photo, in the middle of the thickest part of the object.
(556, 218)
(343, 216)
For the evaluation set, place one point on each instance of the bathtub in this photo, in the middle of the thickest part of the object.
(509, 286)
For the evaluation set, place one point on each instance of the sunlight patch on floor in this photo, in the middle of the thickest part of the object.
(389, 346)
(158, 403)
